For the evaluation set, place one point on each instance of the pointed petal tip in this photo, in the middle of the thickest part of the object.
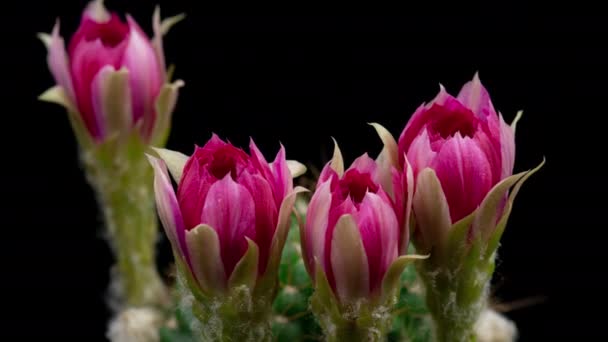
(97, 11)
(168, 23)
(390, 144)
(296, 168)
(476, 77)
(174, 160)
(45, 38)
(518, 117)
(337, 162)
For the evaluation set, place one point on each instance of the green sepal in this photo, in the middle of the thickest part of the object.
(457, 245)
(392, 278)
(494, 239)
(165, 104)
(58, 96)
(174, 160)
(246, 270)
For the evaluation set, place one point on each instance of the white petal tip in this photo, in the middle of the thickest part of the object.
(296, 168)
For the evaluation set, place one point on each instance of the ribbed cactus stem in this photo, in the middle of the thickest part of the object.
(237, 317)
(123, 183)
(456, 297)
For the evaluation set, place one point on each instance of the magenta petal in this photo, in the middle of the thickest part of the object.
(168, 208)
(145, 78)
(230, 210)
(336, 211)
(59, 64)
(420, 153)
(282, 180)
(380, 234)
(329, 174)
(474, 96)
(87, 60)
(317, 217)
(365, 164)
(490, 145)
(465, 175)
(212, 145)
(192, 191)
(418, 121)
(265, 214)
(260, 163)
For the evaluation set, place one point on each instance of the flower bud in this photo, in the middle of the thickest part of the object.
(229, 217)
(112, 78)
(350, 245)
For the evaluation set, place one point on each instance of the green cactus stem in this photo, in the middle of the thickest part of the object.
(122, 180)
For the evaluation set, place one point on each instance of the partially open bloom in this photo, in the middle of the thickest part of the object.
(112, 77)
(464, 141)
(352, 229)
(462, 154)
(228, 220)
(350, 246)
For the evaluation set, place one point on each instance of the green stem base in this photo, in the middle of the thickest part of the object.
(455, 299)
(124, 187)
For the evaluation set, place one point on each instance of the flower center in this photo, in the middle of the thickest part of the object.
(356, 184)
(452, 121)
(111, 33)
(227, 159)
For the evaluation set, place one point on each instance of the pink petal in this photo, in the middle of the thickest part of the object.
(489, 143)
(336, 211)
(420, 153)
(192, 192)
(266, 213)
(144, 75)
(418, 121)
(230, 210)
(465, 175)
(260, 163)
(59, 65)
(365, 164)
(168, 208)
(403, 182)
(329, 174)
(86, 61)
(380, 234)
(315, 228)
(475, 97)
(282, 180)
(507, 148)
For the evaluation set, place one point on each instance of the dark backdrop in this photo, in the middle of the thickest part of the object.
(299, 79)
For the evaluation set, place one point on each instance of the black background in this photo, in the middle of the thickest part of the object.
(300, 78)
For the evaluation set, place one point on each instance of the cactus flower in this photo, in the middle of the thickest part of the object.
(227, 223)
(112, 82)
(466, 143)
(112, 76)
(227, 203)
(351, 240)
(462, 155)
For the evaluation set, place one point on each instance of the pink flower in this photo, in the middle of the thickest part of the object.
(111, 74)
(465, 142)
(352, 229)
(228, 203)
